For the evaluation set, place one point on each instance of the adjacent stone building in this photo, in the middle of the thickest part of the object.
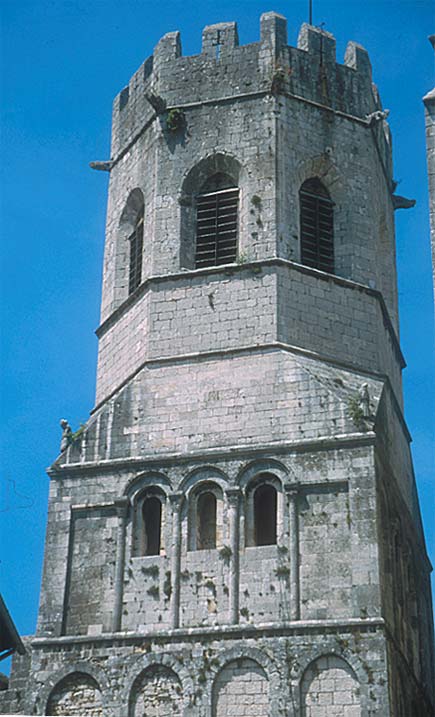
(429, 112)
(236, 531)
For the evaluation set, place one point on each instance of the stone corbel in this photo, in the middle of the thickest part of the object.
(102, 166)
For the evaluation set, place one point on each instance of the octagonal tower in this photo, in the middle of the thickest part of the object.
(237, 531)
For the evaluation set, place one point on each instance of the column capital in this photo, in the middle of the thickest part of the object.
(233, 495)
(292, 489)
(121, 506)
(176, 500)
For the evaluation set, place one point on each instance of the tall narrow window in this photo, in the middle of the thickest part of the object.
(265, 503)
(317, 226)
(216, 222)
(206, 521)
(152, 521)
(136, 249)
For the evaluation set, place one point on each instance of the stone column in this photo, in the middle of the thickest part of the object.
(121, 507)
(292, 499)
(233, 499)
(176, 500)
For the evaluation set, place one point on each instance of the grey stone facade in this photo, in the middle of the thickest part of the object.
(222, 379)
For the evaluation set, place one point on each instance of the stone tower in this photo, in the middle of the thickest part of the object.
(429, 112)
(236, 531)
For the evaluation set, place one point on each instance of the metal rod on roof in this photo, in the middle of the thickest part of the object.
(311, 12)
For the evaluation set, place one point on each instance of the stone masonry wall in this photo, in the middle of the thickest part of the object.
(199, 675)
(330, 689)
(248, 307)
(77, 695)
(89, 589)
(157, 693)
(219, 381)
(242, 688)
(429, 112)
(246, 125)
(240, 398)
(334, 504)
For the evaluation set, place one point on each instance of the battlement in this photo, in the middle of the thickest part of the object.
(224, 69)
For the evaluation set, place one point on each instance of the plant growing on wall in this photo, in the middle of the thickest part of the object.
(356, 411)
(225, 553)
(73, 437)
(175, 120)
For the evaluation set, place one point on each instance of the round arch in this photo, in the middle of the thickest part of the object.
(266, 466)
(205, 515)
(136, 668)
(217, 163)
(147, 480)
(96, 674)
(203, 474)
(222, 167)
(316, 679)
(259, 658)
(133, 208)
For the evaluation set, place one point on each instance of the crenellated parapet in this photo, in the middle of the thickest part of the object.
(225, 70)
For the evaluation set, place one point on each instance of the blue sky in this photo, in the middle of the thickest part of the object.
(62, 62)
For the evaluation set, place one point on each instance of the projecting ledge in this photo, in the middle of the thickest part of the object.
(280, 629)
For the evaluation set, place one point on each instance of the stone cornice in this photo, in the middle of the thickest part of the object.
(324, 443)
(225, 632)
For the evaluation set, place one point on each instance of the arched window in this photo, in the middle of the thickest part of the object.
(216, 222)
(206, 521)
(265, 513)
(205, 517)
(148, 524)
(317, 226)
(152, 520)
(136, 250)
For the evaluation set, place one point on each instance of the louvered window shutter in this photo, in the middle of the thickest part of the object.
(317, 226)
(216, 231)
(136, 248)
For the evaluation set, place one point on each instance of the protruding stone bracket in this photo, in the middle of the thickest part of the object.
(317, 42)
(358, 59)
(157, 103)
(402, 202)
(377, 116)
(219, 39)
(105, 166)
